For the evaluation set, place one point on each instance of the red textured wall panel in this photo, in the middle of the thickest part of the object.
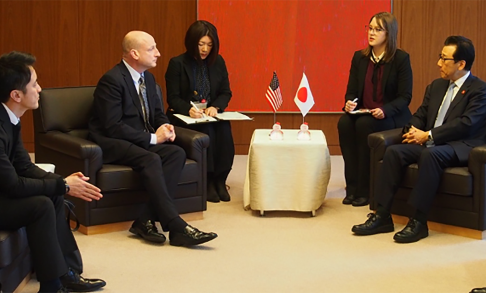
(290, 37)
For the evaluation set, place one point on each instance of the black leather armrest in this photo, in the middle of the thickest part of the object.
(87, 152)
(477, 159)
(71, 145)
(193, 142)
(379, 141)
(476, 165)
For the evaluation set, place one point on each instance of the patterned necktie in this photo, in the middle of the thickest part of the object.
(445, 106)
(142, 94)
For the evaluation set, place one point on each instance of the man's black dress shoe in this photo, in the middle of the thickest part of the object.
(190, 236)
(478, 290)
(348, 199)
(374, 225)
(147, 231)
(222, 191)
(414, 231)
(360, 201)
(72, 281)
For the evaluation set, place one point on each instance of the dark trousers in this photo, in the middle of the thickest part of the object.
(353, 140)
(221, 151)
(50, 239)
(160, 168)
(431, 164)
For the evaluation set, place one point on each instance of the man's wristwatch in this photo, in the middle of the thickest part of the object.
(429, 137)
(67, 186)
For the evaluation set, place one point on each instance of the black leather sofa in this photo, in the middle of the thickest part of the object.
(61, 131)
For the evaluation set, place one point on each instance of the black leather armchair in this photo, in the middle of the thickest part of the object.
(460, 199)
(15, 260)
(61, 131)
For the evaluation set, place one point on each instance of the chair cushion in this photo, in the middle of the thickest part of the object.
(12, 244)
(118, 177)
(456, 181)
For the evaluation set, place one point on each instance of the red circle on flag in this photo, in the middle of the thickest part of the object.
(302, 94)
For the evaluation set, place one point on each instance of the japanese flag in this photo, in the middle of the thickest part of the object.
(303, 98)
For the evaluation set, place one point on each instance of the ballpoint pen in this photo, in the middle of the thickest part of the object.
(195, 107)
(355, 100)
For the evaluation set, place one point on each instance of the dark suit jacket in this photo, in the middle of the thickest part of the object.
(180, 84)
(397, 85)
(117, 119)
(20, 177)
(464, 124)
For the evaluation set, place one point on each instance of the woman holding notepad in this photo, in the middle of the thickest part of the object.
(198, 86)
(377, 97)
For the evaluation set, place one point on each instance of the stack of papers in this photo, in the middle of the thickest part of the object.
(207, 119)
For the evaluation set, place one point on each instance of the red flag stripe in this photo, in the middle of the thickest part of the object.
(274, 98)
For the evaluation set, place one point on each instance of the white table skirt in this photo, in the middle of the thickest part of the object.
(288, 174)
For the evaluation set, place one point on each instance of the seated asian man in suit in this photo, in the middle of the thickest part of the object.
(449, 123)
(131, 128)
(31, 197)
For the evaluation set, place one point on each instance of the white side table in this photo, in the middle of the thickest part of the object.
(287, 174)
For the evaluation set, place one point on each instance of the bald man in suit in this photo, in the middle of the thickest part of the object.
(131, 128)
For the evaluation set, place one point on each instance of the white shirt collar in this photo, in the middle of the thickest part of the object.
(135, 75)
(13, 119)
(460, 81)
(377, 58)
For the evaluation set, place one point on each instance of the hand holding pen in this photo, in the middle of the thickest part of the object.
(351, 105)
(196, 112)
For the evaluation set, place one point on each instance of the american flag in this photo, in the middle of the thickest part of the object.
(273, 94)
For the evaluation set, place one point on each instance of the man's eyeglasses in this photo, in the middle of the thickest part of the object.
(375, 30)
(444, 59)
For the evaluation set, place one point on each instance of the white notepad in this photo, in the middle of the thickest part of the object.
(220, 116)
(190, 120)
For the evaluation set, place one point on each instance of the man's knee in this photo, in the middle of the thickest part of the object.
(42, 206)
(428, 154)
(179, 154)
(391, 152)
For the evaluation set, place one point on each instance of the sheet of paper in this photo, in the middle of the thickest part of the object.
(190, 120)
(232, 116)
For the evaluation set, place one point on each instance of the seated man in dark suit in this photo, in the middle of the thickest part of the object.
(131, 128)
(31, 197)
(449, 123)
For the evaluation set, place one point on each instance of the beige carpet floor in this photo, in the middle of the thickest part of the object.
(284, 252)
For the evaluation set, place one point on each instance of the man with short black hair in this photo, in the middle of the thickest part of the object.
(31, 197)
(441, 134)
